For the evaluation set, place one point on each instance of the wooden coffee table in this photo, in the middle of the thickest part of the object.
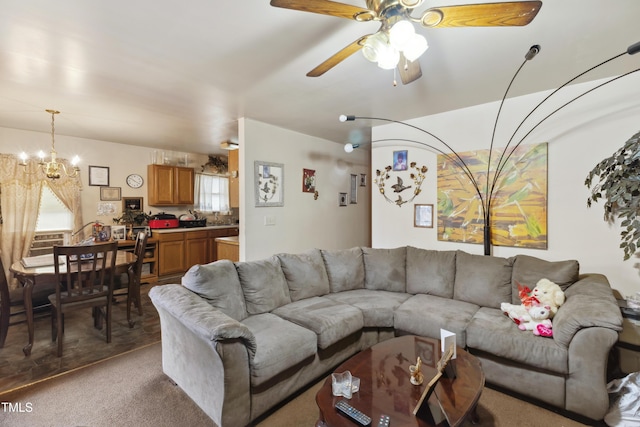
(385, 388)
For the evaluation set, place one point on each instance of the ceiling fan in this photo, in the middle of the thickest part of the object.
(396, 43)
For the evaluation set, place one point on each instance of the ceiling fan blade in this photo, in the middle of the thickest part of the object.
(327, 7)
(482, 15)
(409, 70)
(337, 58)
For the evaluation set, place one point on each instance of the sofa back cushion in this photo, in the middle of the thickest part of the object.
(528, 270)
(385, 269)
(218, 283)
(482, 280)
(263, 284)
(430, 272)
(305, 274)
(345, 269)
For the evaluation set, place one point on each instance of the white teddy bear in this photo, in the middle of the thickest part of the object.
(545, 293)
(540, 324)
(549, 293)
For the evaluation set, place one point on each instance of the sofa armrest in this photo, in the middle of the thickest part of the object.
(589, 303)
(200, 317)
(206, 353)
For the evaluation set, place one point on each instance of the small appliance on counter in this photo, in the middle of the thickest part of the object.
(191, 220)
(163, 220)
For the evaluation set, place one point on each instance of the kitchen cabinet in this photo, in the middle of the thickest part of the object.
(196, 247)
(234, 179)
(179, 249)
(228, 248)
(170, 185)
(171, 253)
(213, 235)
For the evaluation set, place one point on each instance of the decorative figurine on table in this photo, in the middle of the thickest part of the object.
(416, 374)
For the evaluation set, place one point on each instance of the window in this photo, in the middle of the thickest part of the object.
(211, 193)
(54, 225)
(53, 214)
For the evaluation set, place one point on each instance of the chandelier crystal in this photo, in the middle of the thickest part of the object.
(52, 168)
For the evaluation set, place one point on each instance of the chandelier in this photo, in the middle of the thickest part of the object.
(52, 168)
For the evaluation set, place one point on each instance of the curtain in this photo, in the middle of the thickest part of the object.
(211, 193)
(20, 192)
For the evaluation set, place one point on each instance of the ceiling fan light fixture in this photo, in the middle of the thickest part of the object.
(401, 34)
(388, 58)
(416, 47)
(378, 49)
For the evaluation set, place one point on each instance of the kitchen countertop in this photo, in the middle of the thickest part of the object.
(180, 229)
(231, 240)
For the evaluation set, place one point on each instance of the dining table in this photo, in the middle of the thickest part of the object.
(30, 277)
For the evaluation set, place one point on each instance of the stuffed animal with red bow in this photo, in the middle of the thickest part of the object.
(520, 313)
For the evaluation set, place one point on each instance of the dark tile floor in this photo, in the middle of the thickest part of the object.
(83, 344)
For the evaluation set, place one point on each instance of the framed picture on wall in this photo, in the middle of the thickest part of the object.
(99, 175)
(342, 199)
(269, 183)
(423, 216)
(400, 160)
(353, 196)
(110, 193)
(308, 180)
(132, 203)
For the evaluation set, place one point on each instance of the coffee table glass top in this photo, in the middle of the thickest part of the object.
(385, 386)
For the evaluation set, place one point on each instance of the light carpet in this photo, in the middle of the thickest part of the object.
(131, 390)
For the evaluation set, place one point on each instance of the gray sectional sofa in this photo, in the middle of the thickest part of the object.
(239, 338)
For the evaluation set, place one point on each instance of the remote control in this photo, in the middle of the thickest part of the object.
(383, 421)
(361, 419)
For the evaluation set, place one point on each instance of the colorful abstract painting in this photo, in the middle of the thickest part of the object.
(518, 204)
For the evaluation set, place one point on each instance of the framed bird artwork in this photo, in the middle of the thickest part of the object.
(269, 183)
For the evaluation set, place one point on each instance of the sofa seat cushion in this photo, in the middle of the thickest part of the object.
(345, 269)
(330, 320)
(279, 346)
(305, 274)
(425, 315)
(377, 306)
(218, 283)
(385, 269)
(493, 332)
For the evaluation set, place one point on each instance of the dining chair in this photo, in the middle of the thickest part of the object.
(132, 288)
(12, 310)
(87, 281)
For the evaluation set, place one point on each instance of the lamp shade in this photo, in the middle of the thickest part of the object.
(401, 34)
(416, 47)
(373, 46)
(388, 58)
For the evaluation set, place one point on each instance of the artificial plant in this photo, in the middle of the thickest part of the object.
(132, 217)
(619, 186)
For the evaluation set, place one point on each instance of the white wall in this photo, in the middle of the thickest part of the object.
(122, 160)
(579, 137)
(302, 223)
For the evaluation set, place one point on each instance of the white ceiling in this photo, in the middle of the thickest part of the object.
(178, 74)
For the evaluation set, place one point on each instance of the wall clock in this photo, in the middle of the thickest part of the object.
(135, 181)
